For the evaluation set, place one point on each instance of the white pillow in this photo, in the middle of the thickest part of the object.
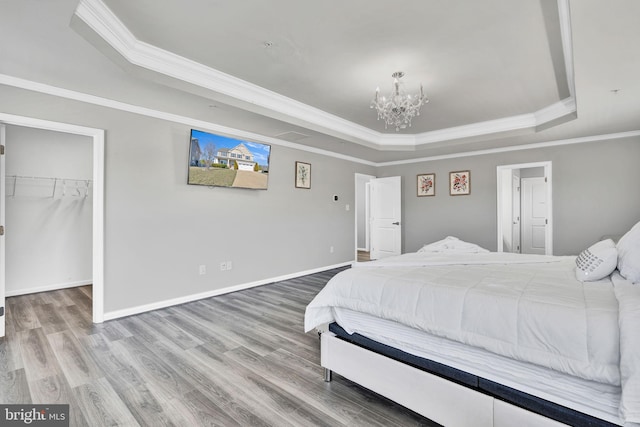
(597, 262)
(452, 244)
(629, 255)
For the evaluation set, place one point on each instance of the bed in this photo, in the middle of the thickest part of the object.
(468, 337)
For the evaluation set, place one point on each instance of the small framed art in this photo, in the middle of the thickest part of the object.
(426, 184)
(460, 183)
(303, 175)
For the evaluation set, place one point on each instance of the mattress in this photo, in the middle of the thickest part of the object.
(595, 399)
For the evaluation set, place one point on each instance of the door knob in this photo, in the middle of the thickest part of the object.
(396, 223)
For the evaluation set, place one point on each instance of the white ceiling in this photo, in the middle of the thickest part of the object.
(497, 72)
(478, 60)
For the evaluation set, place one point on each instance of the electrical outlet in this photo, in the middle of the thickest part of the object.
(229, 265)
(331, 249)
(347, 208)
(203, 270)
(223, 266)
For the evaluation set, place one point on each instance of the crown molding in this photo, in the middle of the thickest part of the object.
(532, 146)
(101, 20)
(19, 83)
(162, 115)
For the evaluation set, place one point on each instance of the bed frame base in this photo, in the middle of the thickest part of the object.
(436, 398)
(327, 375)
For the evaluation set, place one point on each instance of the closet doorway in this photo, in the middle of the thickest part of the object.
(363, 244)
(525, 208)
(33, 186)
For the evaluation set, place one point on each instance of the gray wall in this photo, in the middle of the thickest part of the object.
(593, 195)
(532, 172)
(48, 235)
(159, 229)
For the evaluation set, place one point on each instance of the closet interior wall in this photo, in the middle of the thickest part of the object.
(48, 210)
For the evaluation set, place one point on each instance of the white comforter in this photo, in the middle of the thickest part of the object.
(530, 308)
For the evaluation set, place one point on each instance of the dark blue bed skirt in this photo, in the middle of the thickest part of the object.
(517, 398)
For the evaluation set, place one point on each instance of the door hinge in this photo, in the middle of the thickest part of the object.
(546, 221)
(1, 230)
(1, 311)
(1, 150)
(545, 179)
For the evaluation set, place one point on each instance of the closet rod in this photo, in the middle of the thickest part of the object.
(86, 182)
(50, 178)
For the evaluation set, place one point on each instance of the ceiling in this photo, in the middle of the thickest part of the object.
(497, 73)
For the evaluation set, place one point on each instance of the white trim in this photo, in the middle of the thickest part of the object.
(567, 44)
(555, 111)
(148, 112)
(236, 133)
(100, 19)
(3, 264)
(532, 146)
(97, 16)
(356, 211)
(97, 136)
(111, 315)
(47, 288)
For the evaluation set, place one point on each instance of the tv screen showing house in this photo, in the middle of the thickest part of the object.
(220, 161)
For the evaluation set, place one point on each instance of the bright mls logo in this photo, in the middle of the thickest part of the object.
(34, 415)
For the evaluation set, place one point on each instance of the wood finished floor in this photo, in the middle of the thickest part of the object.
(363, 256)
(240, 359)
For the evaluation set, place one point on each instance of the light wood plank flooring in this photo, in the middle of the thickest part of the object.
(239, 359)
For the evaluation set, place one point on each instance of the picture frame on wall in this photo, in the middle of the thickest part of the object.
(460, 183)
(303, 175)
(426, 184)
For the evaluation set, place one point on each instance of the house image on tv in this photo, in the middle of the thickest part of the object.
(196, 152)
(240, 154)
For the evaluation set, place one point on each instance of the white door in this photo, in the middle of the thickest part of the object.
(385, 210)
(534, 215)
(3, 200)
(515, 213)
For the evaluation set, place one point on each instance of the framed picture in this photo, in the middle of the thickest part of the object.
(460, 183)
(426, 184)
(303, 175)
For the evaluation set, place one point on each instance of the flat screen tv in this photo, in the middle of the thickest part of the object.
(220, 161)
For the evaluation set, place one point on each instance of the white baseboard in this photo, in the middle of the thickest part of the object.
(46, 288)
(111, 315)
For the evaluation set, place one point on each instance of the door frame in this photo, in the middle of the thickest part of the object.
(3, 202)
(97, 138)
(361, 192)
(516, 206)
(500, 183)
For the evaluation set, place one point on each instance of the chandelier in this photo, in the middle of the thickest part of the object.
(399, 108)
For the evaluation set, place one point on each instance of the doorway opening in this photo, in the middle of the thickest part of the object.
(525, 208)
(363, 244)
(378, 217)
(96, 138)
